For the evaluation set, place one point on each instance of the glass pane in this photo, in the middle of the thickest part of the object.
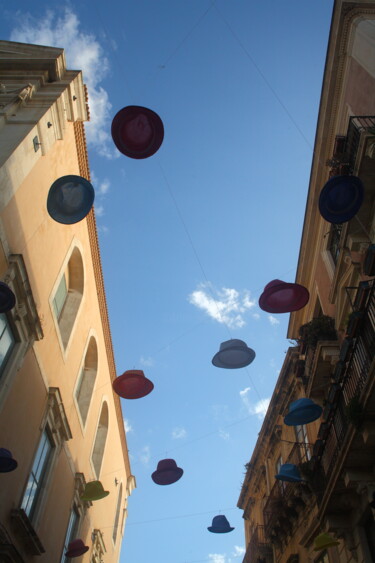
(70, 533)
(60, 297)
(7, 340)
(37, 473)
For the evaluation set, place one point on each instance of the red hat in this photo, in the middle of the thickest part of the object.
(137, 132)
(76, 548)
(132, 384)
(282, 297)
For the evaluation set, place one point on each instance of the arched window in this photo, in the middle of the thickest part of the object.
(117, 515)
(100, 439)
(68, 295)
(86, 380)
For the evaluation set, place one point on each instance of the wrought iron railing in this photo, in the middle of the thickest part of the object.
(258, 547)
(357, 126)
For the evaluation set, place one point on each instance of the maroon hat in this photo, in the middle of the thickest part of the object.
(282, 297)
(167, 472)
(132, 384)
(137, 132)
(76, 548)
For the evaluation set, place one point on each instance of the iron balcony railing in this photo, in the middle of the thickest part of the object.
(357, 126)
(259, 547)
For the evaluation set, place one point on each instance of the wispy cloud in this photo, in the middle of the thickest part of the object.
(273, 320)
(146, 362)
(178, 433)
(224, 435)
(238, 551)
(217, 557)
(83, 52)
(128, 427)
(226, 305)
(256, 316)
(99, 210)
(145, 455)
(259, 408)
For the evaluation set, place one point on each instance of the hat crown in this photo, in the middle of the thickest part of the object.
(274, 283)
(4, 453)
(134, 372)
(166, 465)
(289, 472)
(302, 403)
(232, 343)
(220, 521)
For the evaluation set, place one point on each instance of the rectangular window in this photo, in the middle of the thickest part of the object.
(37, 475)
(278, 465)
(7, 341)
(302, 438)
(333, 245)
(60, 297)
(70, 533)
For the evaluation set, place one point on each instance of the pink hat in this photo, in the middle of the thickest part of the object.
(76, 548)
(132, 384)
(282, 297)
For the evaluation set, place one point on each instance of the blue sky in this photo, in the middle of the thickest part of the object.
(190, 236)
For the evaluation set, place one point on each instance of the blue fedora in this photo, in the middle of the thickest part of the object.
(70, 199)
(233, 354)
(289, 472)
(7, 463)
(302, 411)
(341, 198)
(7, 298)
(220, 525)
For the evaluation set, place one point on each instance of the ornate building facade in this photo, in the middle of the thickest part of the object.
(326, 514)
(59, 417)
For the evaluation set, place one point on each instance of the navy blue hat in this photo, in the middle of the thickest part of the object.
(70, 199)
(167, 472)
(137, 132)
(220, 525)
(302, 411)
(289, 472)
(7, 298)
(341, 198)
(7, 463)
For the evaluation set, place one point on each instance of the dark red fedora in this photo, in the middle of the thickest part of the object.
(132, 384)
(76, 548)
(137, 132)
(282, 297)
(167, 472)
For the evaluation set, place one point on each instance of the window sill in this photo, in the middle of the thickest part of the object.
(27, 531)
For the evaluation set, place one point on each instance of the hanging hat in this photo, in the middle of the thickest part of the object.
(7, 298)
(289, 472)
(94, 491)
(70, 199)
(76, 548)
(137, 132)
(302, 411)
(220, 525)
(282, 297)
(132, 384)
(167, 472)
(7, 463)
(323, 541)
(233, 354)
(341, 198)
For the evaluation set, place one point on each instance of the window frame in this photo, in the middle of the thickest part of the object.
(71, 531)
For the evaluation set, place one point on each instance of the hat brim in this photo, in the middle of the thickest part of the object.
(70, 208)
(96, 497)
(77, 552)
(288, 478)
(341, 198)
(7, 298)
(133, 148)
(284, 298)
(7, 465)
(132, 386)
(311, 413)
(219, 358)
(216, 530)
(327, 544)
(167, 477)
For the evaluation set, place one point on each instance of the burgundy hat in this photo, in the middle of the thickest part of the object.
(137, 132)
(7, 463)
(76, 548)
(132, 384)
(282, 297)
(167, 472)
(7, 298)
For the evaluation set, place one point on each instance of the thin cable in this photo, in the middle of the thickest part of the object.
(181, 516)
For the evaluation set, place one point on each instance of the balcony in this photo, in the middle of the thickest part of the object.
(259, 548)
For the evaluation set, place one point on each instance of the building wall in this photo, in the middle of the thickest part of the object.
(45, 361)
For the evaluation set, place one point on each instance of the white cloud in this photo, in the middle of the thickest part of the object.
(256, 316)
(217, 557)
(178, 433)
(226, 305)
(83, 52)
(128, 427)
(224, 435)
(99, 210)
(238, 551)
(273, 320)
(146, 362)
(259, 408)
(145, 455)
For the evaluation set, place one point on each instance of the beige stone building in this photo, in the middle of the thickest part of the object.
(59, 416)
(335, 454)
